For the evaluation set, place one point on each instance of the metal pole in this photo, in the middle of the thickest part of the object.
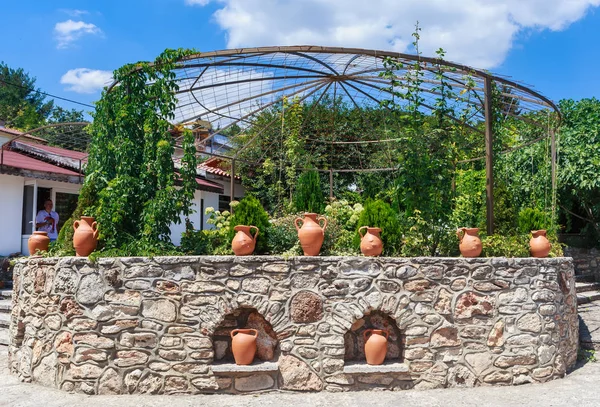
(489, 155)
(331, 183)
(232, 186)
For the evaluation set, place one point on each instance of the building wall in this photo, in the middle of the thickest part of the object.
(141, 325)
(11, 208)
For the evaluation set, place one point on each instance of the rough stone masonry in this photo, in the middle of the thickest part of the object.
(160, 325)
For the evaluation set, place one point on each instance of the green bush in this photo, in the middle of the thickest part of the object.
(531, 219)
(380, 214)
(309, 195)
(283, 236)
(249, 211)
(505, 246)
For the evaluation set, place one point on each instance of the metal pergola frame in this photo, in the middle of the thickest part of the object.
(230, 87)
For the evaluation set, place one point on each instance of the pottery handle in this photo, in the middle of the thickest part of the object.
(387, 333)
(255, 333)
(95, 229)
(366, 332)
(233, 332)
(361, 228)
(75, 224)
(324, 222)
(296, 223)
(256, 234)
(459, 235)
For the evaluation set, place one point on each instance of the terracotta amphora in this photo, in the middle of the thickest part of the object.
(370, 242)
(539, 245)
(243, 345)
(375, 345)
(470, 244)
(243, 242)
(85, 238)
(311, 234)
(38, 241)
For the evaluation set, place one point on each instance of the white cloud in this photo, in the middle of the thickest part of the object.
(67, 32)
(196, 2)
(473, 32)
(75, 12)
(84, 80)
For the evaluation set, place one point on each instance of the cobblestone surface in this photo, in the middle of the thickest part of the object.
(579, 388)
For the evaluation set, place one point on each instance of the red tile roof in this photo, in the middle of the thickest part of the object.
(212, 185)
(215, 166)
(15, 132)
(21, 161)
(76, 155)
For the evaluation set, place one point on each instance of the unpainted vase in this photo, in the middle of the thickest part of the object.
(85, 238)
(243, 345)
(243, 242)
(38, 241)
(375, 345)
(311, 234)
(370, 242)
(470, 244)
(539, 245)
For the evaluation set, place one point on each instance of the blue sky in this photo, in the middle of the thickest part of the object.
(551, 45)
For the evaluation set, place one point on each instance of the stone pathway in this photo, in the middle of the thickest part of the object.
(589, 325)
(578, 388)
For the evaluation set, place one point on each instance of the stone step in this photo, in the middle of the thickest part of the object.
(587, 297)
(5, 294)
(583, 287)
(5, 306)
(4, 320)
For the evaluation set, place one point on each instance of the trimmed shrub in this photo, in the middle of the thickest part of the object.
(249, 211)
(380, 214)
(309, 195)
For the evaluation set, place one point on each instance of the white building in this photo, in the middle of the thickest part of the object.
(31, 171)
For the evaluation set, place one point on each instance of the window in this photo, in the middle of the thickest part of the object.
(65, 205)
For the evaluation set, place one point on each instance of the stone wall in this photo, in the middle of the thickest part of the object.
(585, 261)
(138, 325)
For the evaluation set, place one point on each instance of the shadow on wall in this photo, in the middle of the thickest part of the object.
(354, 340)
(266, 343)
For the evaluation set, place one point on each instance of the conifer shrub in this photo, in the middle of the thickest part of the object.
(377, 213)
(309, 195)
(249, 211)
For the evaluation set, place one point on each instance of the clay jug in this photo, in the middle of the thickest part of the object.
(243, 345)
(470, 244)
(243, 242)
(370, 242)
(375, 345)
(539, 245)
(85, 237)
(38, 241)
(311, 234)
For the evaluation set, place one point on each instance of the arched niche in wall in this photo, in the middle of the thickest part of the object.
(354, 340)
(266, 343)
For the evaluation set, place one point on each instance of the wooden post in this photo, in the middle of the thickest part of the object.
(331, 184)
(489, 155)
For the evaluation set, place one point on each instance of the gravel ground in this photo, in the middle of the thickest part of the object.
(577, 389)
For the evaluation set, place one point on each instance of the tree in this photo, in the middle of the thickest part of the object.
(131, 186)
(21, 104)
(579, 184)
